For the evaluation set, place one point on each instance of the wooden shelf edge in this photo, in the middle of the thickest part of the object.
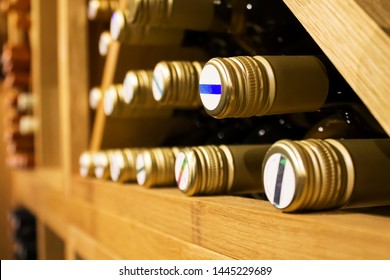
(237, 227)
(41, 190)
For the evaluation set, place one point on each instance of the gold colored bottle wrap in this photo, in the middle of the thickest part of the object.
(155, 167)
(101, 9)
(246, 86)
(86, 164)
(187, 14)
(176, 83)
(324, 174)
(123, 165)
(124, 31)
(137, 89)
(207, 170)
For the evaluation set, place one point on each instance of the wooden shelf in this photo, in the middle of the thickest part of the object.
(131, 222)
(354, 35)
(91, 219)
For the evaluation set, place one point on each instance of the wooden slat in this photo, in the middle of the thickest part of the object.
(73, 82)
(45, 82)
(133, 240)
(354, 34)
(242, 228)
(5, 192)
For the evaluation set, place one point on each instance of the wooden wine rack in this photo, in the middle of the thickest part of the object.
(91, 219)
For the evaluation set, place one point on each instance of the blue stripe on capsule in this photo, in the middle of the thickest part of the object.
(210, 89)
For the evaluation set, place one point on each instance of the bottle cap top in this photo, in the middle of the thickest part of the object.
(28, 124)
(25, 102)
(279, 180)
(93, 8)
(102, 165)
(86, 164)
(210, 87)
(202, 170)
(95, 95)
(117, 164)
(161, 80)
(140, 166)
(104, 42)
(183, 175)
(130, 85)
(310, 174)
(117, 24)
(110, 100)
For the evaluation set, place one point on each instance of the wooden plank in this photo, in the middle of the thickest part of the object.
(379, 11)
(45, 82)
(73, 82)
(133, 240)
(242, 228)
(5, 193)
(355, 36)
(82, 246)
(130, 132)
(50, 245)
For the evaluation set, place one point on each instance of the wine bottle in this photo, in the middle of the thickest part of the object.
(113, 101)
(346, 123)
(176, 83)
(20, 160)
(101, 9)
(115, 104)
(190, 14)
(18, 5)
(25, 103)
(20, 147)
(318, 174)
(155, 167)
(22, 223)
(20, 80)
(123, 31)
(258, 26)
(137, 90)
(269, 129)
(211, 170)
(213, 44)
(25, 250)
(86, 164)
(270, 28)
(17, 57)
(123, 165)
(95, 96)
(101, 163)
(267, 85)
(28, 124)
